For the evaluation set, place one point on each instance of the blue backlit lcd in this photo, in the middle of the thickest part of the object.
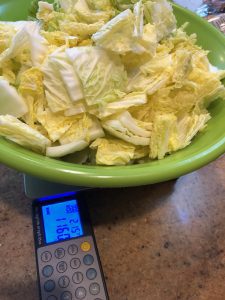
(61, 221)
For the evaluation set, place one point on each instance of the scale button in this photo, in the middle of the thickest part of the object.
(77, 277)
(59, 253)
(52, 297)
(91, 274)
(61, 267)
(46, 256)
(94, 288)
(49, 286)
(85, 246)
(63, 281)
(47, 271)
(80, 293)
(72, 249)
(66, 296)
(88, 260)
(75, 263)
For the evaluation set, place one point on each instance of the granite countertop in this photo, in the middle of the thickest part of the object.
(157, 242)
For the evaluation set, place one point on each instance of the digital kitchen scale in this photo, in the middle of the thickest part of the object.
(68, 263)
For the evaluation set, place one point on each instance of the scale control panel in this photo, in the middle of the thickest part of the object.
(67, 258)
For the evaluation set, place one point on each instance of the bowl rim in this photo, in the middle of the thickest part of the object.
(54, 170)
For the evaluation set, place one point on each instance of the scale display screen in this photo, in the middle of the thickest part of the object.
(61, 221)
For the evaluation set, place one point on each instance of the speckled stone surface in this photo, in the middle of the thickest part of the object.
(159, 242)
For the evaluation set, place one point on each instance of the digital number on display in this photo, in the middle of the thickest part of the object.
(61, 221)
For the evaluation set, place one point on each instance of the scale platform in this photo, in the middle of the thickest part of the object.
(36, 188)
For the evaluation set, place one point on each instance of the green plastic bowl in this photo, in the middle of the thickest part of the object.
(205, 147)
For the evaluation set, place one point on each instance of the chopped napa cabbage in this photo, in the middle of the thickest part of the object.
(90, 17)
(125, 33)
(148, 84)
(85, 14)
(123, 4)
(200, 60)
(153, 75)
(133, 61)
(175, 67)
(168, 100)
(112, 151)
(15, 130)
(63, 150)
(59, 38)
(56, 124)
(27, 45)
(10, 101)
(186, 128)
(85, 127)
(138, 19)
(44, 9)
(66, 5)
(41, 129)
(149, 39)
(7, 31)
(69, 76)
(179, 39)
(171, 134)
(157, 64)
(116, 35)
(53, 19)
(76, 109)
(82, 30)
(142, 113)
(141, 152)
(125, 127)
(88, 10)
(156, 12)
(127, 121)
(18, 25)
(32, 89)
(160, 14)
(162, 128)
(208, 86)
(18, 47)
(9, 70)
(75, 19)
(85, 42)
(182, 67)
(79, 18)
(130, 100)
(104, 5)
(145, 35)
(178, 79)
(145, 49)
(102, 74)
(63, 87)
(31, 83)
